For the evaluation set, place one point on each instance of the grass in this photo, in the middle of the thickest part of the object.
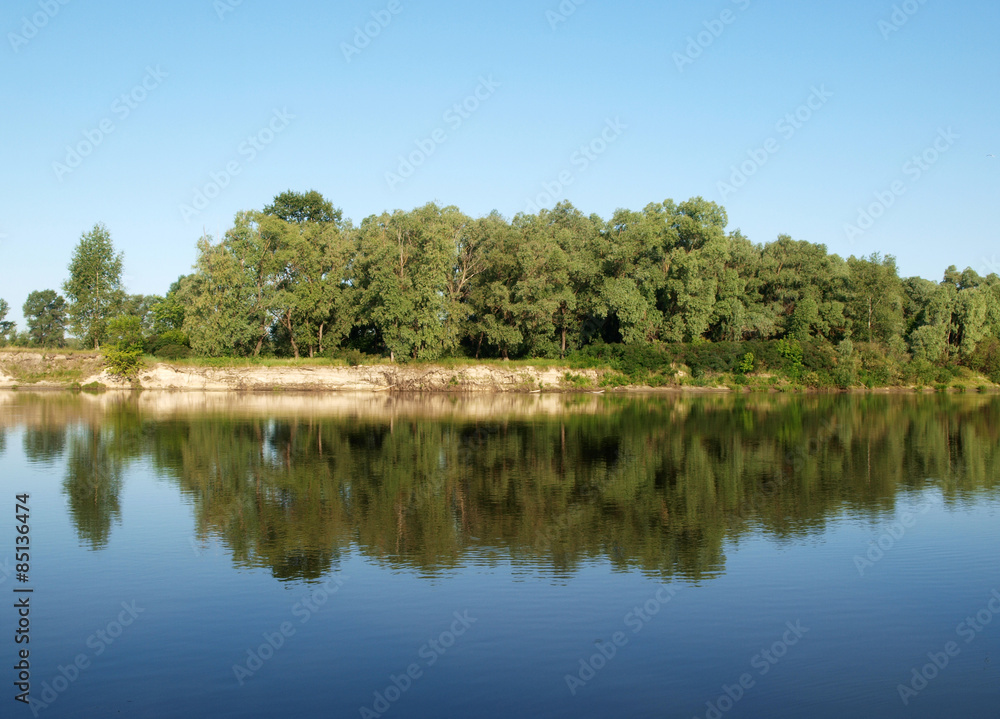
(577, 381)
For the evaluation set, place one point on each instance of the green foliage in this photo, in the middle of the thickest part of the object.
(577, 381)
(637, 362)
(45, 313)
(171, 344)
(875, 298)
(640, 292)
(123, 355)
(94, 288)
(8, 329)
(791, 353)
(301, 208)
(354, 358)
(613, 379)
(986, 359)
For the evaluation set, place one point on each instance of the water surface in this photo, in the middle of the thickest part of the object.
(551, 556)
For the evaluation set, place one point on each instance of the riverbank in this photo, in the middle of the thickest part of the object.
(76, 370)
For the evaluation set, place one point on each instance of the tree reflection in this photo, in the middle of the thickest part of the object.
(44, 444)
(659, 484)
(93, 485)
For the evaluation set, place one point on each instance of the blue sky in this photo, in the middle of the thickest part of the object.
(242, 100)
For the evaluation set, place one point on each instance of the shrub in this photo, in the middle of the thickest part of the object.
(986, 359)
(123, 357)
(791, 351)
(353, 357)
(613, 379)
(577, 380)
(173, 352)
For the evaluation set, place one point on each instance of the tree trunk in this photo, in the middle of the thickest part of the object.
(291, 335)
(260, 340)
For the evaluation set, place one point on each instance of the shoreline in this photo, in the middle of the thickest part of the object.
(60, 371)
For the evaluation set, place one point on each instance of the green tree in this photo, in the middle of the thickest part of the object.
(404, 264)
(168, 313)
(876, 305)
(230, 299)
(8, 329)
(299, 208)
(94, 287)
(45, 313)
(313, 300)
(141, 306)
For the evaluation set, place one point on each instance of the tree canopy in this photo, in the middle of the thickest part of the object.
(94, 287)
(45, 313)
(296, 278)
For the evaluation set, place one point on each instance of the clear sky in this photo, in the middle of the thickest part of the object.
(793, 115)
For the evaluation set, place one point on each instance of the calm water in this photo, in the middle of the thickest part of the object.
(547, 556)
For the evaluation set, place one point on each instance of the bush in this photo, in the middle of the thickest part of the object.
(353, 357)
(169, 345)
(124, 363)
(636, 362)
(791, 351)
(173, 352)
(986, 359)
(123, 357)
(613, 379)
(922, 372)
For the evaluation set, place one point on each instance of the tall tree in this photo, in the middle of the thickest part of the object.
(168, 313)
(141, 306)
(94, 287)
(876, 298)
(45, 313)
(230, 296)
(299, 208)
(403, 266)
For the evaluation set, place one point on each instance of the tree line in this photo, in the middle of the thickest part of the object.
(297, 279)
